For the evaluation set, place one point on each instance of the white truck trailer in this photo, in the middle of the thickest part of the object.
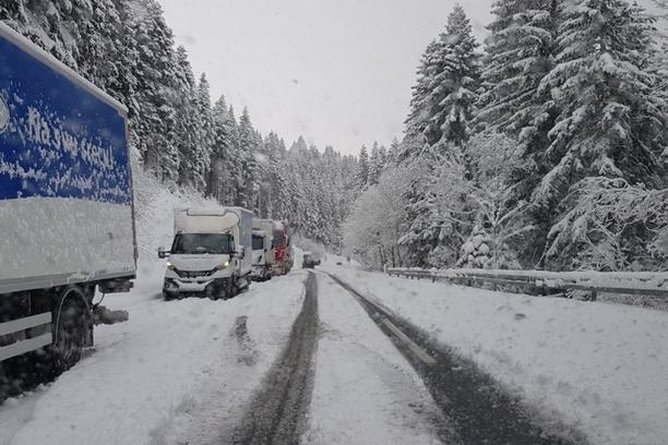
(211, 253)
(66, 207)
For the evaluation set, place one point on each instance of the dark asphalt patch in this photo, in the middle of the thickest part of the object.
(482, 411)
(277, 414)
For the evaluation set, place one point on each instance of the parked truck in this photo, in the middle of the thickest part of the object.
(66, 208)
(211, 253)
(263, 250)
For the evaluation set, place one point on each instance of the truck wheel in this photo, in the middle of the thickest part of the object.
(4, 385)
(70, 330)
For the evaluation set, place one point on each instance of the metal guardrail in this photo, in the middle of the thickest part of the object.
(544, 282)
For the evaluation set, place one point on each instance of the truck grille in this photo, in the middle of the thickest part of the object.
(194, 273)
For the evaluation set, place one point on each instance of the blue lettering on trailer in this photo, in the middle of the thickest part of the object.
(56, 138)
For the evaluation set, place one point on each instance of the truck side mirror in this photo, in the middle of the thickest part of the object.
(162, 253)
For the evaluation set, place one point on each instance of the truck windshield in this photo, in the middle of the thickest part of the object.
(279, 238)
(198, 243)
(258, 242)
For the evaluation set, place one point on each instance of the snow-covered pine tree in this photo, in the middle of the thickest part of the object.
(423, 226)
(262, 198)
(392, 157)
(382, 155)
(121, 54)
(225, 154)
(247, 166)
(452, 92)
(518, 55)
(276, 152)
(438, 123)
(187, 121)
(235, 156)
(444, 94)
(420, 108)
(205, 136)
(363, 168)
(375, 164)
(611, 124)
(156, 91)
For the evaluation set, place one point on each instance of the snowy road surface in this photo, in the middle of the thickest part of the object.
(277, 413)
(362, 360)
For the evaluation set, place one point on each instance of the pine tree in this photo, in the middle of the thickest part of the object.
(156, 91)
(222, 182)
(423, 223)
(363, 168)
(205, 136)
(275, 151)
(453, 94)
(247, 149)
(375, 164)
(187, 121)
(443, 97)
(420, 107)
(518, 56)
(519, 53)
(611, 124)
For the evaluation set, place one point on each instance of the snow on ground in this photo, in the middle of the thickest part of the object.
(147, 376)
(365, 392)
(602, 367)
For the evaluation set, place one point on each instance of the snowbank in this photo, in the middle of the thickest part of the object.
(601, 367)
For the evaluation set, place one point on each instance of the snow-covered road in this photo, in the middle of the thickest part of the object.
(298, 359)
(365, 392)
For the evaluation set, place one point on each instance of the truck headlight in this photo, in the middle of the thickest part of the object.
(223, 265)
(170, 266)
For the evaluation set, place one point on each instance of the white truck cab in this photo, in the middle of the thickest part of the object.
(262, 255)
(210, 254)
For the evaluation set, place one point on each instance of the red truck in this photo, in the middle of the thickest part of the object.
(282, 247)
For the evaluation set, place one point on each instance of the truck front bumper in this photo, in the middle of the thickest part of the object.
(261, 273)
(209, 286)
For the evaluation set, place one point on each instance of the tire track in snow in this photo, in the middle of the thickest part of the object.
(277, 414)
(483, 412)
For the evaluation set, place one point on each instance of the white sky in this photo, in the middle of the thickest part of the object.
(338, 72)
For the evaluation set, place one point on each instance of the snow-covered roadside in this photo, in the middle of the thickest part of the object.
(364, 392)
(145, 374)
(601, 367)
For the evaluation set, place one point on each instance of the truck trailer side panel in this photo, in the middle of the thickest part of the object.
(66, 211)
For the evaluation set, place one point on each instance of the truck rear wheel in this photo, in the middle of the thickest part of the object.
(71, 330)
(4, 385)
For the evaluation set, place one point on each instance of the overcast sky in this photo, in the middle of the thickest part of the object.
(338, 72)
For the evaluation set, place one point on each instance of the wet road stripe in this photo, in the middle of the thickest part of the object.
(417, 350)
